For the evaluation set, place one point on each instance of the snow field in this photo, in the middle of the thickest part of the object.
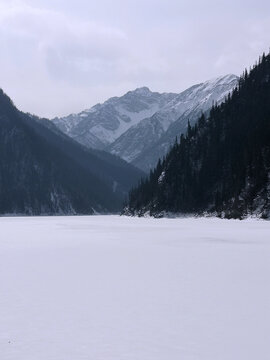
(115, 288)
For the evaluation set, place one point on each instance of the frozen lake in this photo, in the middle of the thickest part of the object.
(117, 288)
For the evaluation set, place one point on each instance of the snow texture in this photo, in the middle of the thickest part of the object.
(110, 287)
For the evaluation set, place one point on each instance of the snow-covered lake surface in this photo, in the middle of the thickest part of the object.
(117, 288)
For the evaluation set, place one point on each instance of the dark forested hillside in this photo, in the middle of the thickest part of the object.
(222, 165)
(42, 171)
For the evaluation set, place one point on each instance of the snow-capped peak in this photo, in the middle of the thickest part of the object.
(126, 125)
(142, 91)
(104, 123)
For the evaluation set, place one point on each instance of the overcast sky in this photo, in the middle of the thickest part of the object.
(62, 56)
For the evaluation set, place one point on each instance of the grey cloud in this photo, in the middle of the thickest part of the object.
(62, 56)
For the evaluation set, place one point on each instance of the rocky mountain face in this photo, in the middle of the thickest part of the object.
(101, 125)
(141, 126)
(43, 171)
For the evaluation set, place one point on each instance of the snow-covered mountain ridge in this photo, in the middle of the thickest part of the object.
(102, 124)
(141, 125)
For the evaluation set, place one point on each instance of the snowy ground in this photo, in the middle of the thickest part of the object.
(112, 288)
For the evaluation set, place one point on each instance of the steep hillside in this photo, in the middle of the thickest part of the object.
(42, 171)
(222, 165)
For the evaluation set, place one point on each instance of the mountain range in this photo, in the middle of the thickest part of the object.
(141, 126)
(206, 150)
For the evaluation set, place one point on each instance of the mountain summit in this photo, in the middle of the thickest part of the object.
(101, 125)
(141, 125)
